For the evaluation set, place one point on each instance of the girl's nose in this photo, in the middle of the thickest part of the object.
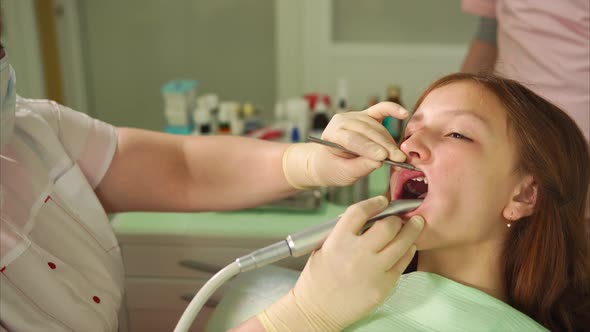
(415, 148)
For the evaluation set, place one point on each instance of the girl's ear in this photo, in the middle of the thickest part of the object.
(523, 201)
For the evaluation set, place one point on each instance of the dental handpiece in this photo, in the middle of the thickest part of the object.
(297, 244)
(310, 239)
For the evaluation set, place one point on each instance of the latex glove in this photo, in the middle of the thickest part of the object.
(308, 165)
(349, 275)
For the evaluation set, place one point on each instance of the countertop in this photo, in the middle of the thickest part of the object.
(227, 225)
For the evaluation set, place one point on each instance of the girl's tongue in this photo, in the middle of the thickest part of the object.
(406, 184)
(415, 188)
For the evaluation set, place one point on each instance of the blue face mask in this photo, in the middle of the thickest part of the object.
(7, 100)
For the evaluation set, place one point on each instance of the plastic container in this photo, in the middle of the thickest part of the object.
(350, 194)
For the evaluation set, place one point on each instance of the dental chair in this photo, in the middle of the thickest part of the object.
(249, 293)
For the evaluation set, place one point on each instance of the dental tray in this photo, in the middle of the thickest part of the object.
(307, 201)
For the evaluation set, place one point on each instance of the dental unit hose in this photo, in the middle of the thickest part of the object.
(295, 245)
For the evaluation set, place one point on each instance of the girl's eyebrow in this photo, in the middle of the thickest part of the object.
(458, 113)
(483, 120)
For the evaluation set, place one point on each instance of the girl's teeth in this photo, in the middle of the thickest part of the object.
(421, 178)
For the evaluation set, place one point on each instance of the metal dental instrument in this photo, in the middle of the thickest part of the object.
(296, 244)
(310, 239)
(341, 148)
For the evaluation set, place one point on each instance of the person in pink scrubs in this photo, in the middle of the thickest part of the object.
(543, 44)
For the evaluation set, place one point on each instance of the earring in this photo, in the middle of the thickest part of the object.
(510, 223)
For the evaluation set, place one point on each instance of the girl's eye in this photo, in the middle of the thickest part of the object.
(458, 136)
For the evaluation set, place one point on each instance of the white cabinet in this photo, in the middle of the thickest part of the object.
(162, 274)
(156, 304)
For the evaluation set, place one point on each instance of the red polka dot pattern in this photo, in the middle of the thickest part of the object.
(51, 265)
(96, 299)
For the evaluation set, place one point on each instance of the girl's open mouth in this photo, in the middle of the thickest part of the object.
(409, 185)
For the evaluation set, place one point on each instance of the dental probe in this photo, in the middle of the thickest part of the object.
(296, 244)
(341, 148)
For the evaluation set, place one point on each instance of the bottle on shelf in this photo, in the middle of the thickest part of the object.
(224, 120)
(251, 120)
(320, 118)
(342, 101)
(202, 120)
(393, 125)
(299, 119)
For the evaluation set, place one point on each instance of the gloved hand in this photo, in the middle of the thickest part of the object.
(308, 165)
(349, 275)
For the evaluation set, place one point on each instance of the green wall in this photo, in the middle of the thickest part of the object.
(399, 21)
(132, 47)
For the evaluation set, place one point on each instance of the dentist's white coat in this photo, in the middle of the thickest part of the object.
(61, 267)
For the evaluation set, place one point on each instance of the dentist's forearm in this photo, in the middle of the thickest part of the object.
(483, 50)
(229, 172)
(153, 171)
(481, 56)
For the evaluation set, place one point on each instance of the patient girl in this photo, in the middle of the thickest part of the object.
(505, 175)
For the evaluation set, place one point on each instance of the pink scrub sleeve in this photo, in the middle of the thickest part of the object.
(484, 8)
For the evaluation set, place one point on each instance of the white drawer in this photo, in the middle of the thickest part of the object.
(174, 261)
(164, 293)
(159, 321)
